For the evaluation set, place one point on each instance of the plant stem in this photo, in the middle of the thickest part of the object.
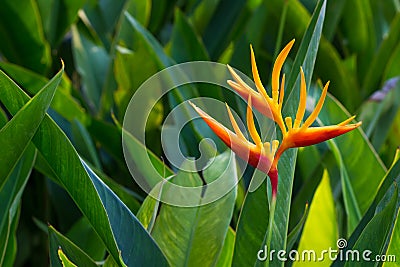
(270, 225)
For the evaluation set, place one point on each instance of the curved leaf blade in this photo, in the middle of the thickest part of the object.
(18, 132)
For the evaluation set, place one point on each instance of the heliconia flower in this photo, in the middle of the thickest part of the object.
(295, 134)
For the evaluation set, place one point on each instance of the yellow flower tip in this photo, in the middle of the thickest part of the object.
(288, 121)
(314, 114)
(302, 102)
(275, 145)
(251, 126)
(347, 121)
(267, 147)
(256, 76)
(277, 69)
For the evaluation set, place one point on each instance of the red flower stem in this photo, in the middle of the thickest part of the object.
(273, 176)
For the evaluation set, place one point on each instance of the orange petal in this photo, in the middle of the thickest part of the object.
(243, 148)
(315, 135)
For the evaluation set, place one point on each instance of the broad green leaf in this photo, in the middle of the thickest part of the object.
(360, 35)
(391, 177)
(140, 9)
(57, 16)
(203, 13)
(252, 225)
(82, 234)
(84, 143)
(194, 236)
(92, 63)
(376, 231)
(128, 197)
(225, 257)
(10, 198)
(23, 41)
(320, 229)
(381, 57)
(103, 16)
(378, 114)
(332, 17)
(185, 44)
(18, 132)
(63, 103)
(307, 53)
(222, 28)
(59, 242)
(394, 244)
(349, 197)
(110, 218)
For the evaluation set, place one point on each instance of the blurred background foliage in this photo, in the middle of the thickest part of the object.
(110, 47)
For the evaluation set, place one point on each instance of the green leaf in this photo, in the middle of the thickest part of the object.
(307, 53)
(225, 257)
(203, 13)
(376, 231)
(294, 235)
(92, 63)
(140, 9)
(379, 203)
(394, 244)
(332, 17)
(63, 103)
(381, 57)
(349, 197)
(82, 234)
(18, 132)
(10, 198)
(322, 209)
(185, 44)
(379, 114)
(194, 236)
(221, 28)
(252, 225)
(59, 242)
(103, 16)
(84, 143)
(57, 16)
(23, 39)
(110, 218)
